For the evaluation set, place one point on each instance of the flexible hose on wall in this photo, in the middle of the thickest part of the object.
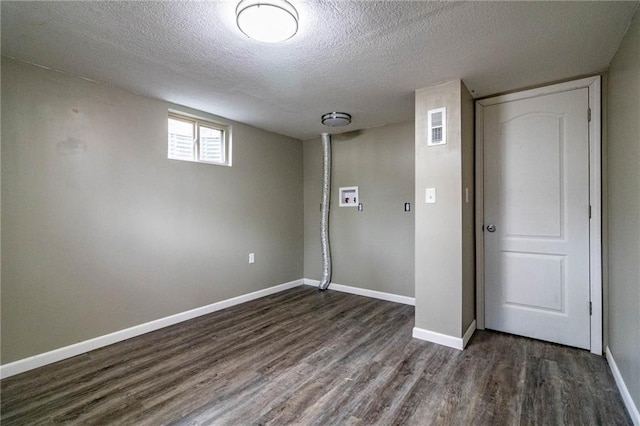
(324, 221)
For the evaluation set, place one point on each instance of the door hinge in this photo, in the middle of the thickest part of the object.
(589, 114)
(589, 211)
(590, 308)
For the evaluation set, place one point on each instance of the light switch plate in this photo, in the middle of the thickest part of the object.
(430, 196)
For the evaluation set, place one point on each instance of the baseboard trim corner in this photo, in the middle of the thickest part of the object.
(438, 338)
(468, 334)
(40, 360)
(622, 387)
(445, 339)
(390, 297)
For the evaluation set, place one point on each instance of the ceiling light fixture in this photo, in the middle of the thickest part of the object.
(270, 21)
(336, 119)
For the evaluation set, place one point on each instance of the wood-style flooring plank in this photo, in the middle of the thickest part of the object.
(306, 357)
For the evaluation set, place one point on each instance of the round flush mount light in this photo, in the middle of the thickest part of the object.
(270, 21)
(336, 119)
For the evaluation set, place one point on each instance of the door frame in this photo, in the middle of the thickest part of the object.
(595, 195)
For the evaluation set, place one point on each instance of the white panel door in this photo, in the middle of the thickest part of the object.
(536, 216)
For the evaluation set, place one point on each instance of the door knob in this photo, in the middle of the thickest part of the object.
(491, 228)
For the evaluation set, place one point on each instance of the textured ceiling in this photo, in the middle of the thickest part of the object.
(362, 57)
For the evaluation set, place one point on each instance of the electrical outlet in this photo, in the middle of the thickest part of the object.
(252, 258)
(430, 195)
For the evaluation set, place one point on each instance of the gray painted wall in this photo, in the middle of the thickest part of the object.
(444, 253)
(372, 249)
(100, 231)
(468, 208)
(623, 170)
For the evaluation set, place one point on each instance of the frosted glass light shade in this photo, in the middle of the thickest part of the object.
(270, 21)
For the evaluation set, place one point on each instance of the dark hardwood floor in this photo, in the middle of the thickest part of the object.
(316, 358)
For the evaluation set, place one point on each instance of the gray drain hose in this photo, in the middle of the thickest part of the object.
(324, 222)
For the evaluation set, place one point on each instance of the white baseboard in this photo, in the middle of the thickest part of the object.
(56, 355)
(624, 391)
(405, 300)
(468, 334)
(445, 339)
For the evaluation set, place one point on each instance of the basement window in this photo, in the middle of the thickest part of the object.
(197, 140)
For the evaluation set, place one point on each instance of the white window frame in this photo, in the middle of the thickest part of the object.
(197, 122)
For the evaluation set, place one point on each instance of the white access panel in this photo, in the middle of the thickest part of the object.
(349, 196)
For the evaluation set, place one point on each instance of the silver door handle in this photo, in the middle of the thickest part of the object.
(491, 228)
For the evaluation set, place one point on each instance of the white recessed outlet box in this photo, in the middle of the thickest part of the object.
(430, 196)
(349, 196)
(437, 126)
(252, 258)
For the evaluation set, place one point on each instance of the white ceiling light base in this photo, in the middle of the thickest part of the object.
(270, 21)
(336, 119)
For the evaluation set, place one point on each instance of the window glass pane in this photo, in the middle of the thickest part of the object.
(436, 119)
(181, 140)
(211, 145)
